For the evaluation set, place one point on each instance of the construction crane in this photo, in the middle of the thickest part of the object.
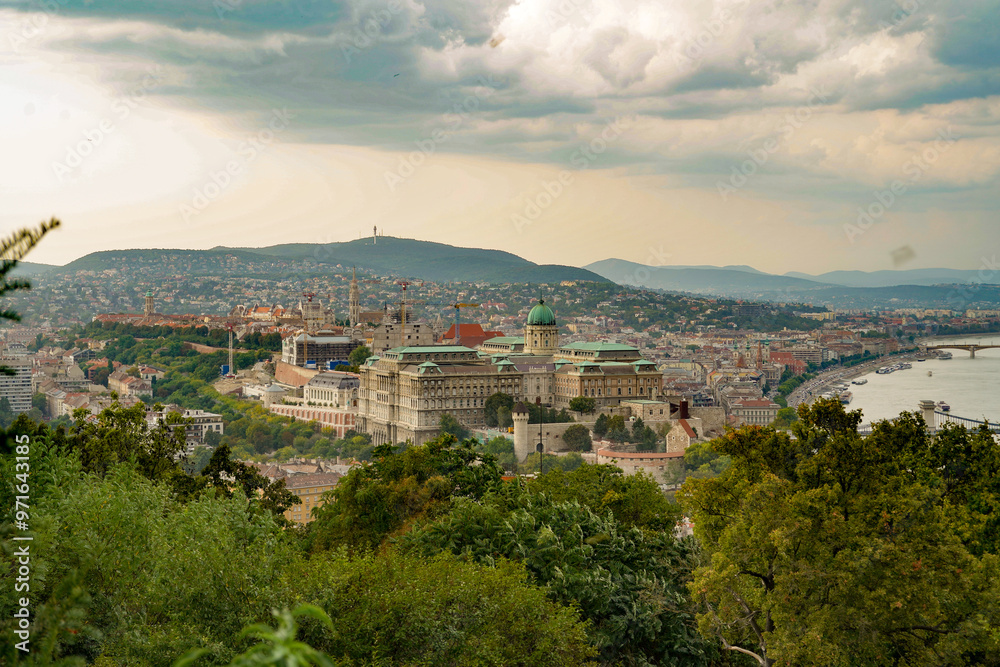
(402, 310)
(230, 370)
(305, 331)
(458, 309)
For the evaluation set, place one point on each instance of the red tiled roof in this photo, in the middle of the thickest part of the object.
(471, 334)
(756, 403)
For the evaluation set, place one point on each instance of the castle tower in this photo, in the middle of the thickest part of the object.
(354, 304)
(522, 447)
(147, 309)
(541, 334)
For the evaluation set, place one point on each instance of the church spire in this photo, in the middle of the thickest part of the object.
(354, 300)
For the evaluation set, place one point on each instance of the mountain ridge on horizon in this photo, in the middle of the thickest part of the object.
(839, 278)
(411, 258)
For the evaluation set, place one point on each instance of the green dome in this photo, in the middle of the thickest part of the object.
(541, 315)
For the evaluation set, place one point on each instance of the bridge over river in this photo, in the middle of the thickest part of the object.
(936, 419)
(971, 349)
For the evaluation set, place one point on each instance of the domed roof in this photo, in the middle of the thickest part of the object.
(541, 314)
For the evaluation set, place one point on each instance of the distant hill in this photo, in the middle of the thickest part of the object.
(942, 288)
(728, 281)
(424, 259)
(191, 262)
(27, 269)
(390, 256)
(889, 278)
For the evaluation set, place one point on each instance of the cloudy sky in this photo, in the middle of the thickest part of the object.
(789, 135)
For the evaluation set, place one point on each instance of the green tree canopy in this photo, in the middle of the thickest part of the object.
(451, 426)
(358, 355)
(375, 500)
(629, 583)
(601, 425)
(583, 404)
(837, 549)
(493, 404)
(577, 438)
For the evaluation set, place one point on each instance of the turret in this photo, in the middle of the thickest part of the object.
(522, 448)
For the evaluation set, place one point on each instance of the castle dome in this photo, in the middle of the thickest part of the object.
(541, 315)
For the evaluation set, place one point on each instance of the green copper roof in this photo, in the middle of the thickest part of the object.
(541, 314)
(431, 349)
(599, 346)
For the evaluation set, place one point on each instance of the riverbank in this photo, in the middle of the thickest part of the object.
(826, 380)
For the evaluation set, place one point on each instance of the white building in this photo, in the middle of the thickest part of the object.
(332, 389)
(17, 388)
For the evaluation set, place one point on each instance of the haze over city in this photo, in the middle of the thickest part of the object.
(786, 136)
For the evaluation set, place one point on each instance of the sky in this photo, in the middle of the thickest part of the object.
(787, 135)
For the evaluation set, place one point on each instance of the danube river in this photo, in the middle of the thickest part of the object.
(970, 386)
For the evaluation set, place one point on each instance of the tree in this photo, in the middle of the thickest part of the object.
(278, 646)
(577, 438)
(7, 415)
(273, 496)
(601, 425)
(100, 376)
(449, 425)
(358, 355)
(785, 418)
(583, 404)
(492, 406)
(702, 460)
(503, 449)
(13, 249)
(617, 431)
(637, 426)
(629, 583)
(634, 500)
(121, 434)
(837, 549)
(375, 500)
(40, 402)
(394, 608)
(505, 419)
(212, 439)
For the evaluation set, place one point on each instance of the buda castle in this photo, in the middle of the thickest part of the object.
(405, 390)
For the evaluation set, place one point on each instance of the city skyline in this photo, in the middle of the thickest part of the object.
(839, 136)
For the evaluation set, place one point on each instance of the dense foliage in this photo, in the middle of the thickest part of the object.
(837, 549)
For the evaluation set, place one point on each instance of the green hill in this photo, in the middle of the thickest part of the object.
(427, 260)
(29, 269)
(188, 262)
(406, 258)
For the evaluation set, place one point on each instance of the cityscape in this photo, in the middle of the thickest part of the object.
(620, 334)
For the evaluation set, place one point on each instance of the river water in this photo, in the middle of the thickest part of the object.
(970, 386)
